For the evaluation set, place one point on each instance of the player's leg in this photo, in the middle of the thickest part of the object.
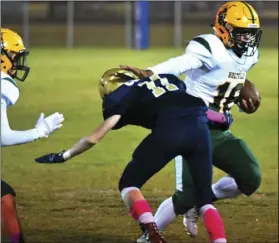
(182, 200)
(151, 156)
(10, 222)
(202, 155)
(196, 147)
(200, 166)
(184, 197)
(234, 157)
(165, 214)
(229, 154)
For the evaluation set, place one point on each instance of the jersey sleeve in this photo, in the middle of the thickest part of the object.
(200, 49)
(177, 65)
(9, 91)
(11, 137)
(197, 54)
(119, 101)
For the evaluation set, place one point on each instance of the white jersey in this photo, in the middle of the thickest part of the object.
(9, 90)
(213, 72)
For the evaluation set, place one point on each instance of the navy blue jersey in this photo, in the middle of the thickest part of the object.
(151, 101)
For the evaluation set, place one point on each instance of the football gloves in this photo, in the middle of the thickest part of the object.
(47, 125)
(52, 158)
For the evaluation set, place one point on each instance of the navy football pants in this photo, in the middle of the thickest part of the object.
(187, 137)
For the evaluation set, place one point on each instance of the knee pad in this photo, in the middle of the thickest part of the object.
(247, 174)
(250, 178)
(251, 185)
(6, 189)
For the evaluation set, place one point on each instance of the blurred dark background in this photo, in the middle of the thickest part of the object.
(62, 23)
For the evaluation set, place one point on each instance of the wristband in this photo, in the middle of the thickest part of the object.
(66, 155)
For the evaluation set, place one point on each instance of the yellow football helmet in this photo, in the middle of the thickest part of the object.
(237, 24)
(13, 55)
(113, 78)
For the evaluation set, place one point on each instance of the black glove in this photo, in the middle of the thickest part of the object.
(51, 158)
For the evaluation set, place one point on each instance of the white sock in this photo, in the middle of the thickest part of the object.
(146, 218)
(226, 187)
(165, 214)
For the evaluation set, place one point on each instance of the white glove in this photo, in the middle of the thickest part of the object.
(46, 126)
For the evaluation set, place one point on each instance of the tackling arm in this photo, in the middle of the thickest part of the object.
(83, 144)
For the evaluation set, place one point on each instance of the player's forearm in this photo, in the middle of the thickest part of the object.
(10, 137)
(177, 65)
(80, 147)
(89, 141)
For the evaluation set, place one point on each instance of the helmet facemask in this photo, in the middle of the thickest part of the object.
(19, 69)
(245, 38)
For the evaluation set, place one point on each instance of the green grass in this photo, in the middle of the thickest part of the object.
(79, 201)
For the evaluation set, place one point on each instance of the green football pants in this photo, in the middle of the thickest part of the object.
(230, 154)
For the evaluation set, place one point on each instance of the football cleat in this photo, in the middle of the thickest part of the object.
(151, 234)
(143, 238)
(190, 222)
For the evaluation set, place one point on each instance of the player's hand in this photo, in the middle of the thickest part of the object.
(51, 158)
(139, 72)
(47, 125)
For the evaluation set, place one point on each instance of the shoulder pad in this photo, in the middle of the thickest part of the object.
(9, 89)
(210, 43)
(202, 45)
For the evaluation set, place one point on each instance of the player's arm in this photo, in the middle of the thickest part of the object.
(83, 144)
(11, 137)
(42, 129)
(114, 107)
(197, 54)
(176, 66)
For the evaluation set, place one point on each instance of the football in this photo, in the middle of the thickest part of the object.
(249, 91)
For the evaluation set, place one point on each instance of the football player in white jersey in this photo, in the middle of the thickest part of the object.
(215, 66)
(13, 67)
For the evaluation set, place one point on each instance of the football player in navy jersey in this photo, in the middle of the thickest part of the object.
(178, 124)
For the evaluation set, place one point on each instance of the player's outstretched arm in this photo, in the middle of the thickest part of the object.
(176, 66)
(44, 126)
(83, 144)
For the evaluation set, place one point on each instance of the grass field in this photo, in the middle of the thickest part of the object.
(79, 201)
